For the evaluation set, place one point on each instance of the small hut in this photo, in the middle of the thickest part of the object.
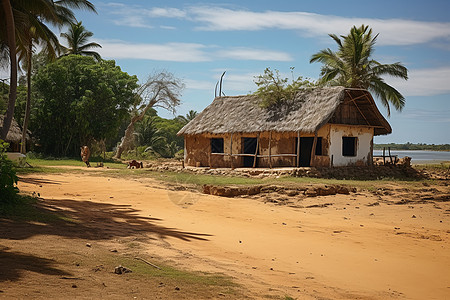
(14, 137)
(332, 126)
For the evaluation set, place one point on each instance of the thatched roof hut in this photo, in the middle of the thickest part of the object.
(14, 137)
(14, 133)
(319, 127)
(309, 111)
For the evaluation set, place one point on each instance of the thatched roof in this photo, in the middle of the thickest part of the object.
(14, 133)
(310, 110)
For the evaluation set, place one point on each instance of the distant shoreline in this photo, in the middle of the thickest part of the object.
(413, 147)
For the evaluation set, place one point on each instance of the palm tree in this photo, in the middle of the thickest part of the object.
(27, 23)
(8, 37)
(352, 66)
(77, 38)
(189, 117)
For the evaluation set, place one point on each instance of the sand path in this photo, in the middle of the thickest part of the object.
(346, 250)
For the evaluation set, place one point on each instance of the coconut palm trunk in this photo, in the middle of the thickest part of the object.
(23, 146)
(10, 30)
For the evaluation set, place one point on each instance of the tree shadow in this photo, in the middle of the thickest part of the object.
(89, 220)
(13, 264)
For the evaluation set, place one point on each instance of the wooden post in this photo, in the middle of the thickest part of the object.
(209, 159)
(298, 149)
(390, 157)
(256, 151)
(384, 157)
(313, 150)
(371, 153)
(231, 151)
(270, 149)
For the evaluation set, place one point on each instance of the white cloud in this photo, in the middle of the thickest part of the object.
(184, 52)
(392, 31)
(181, 52)
(254, 54)
(213, 18)
(424, 82)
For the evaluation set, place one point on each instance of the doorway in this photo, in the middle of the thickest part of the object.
(249, 147)
(306, 144)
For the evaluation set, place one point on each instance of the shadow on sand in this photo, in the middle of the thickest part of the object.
(90, 220)
(17, 263)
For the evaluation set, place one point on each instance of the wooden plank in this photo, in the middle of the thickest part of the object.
(270, 149)
(298, 148)
(256, 151)
(231, 151)
(313, 150)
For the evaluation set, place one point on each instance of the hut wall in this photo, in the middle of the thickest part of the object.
(363, 137)
(197, 150)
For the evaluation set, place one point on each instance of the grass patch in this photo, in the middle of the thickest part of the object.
(168, 272)
(25, 209)
(71, 162)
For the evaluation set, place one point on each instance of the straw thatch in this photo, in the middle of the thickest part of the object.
(310, 110)
(14, 133)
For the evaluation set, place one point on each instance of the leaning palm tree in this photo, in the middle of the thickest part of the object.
(352, 66)
(77, 38)
(25, 24)
(33, 30)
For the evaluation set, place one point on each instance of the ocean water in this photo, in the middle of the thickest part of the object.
(419, 156)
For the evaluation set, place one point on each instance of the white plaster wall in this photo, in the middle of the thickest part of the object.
(363, 151)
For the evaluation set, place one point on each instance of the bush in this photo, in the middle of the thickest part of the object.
(8, 178)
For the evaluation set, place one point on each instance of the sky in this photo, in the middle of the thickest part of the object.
(198, 41)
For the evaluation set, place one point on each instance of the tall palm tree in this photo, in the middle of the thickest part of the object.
(352, 66)
(35, 31)
(8, 37)
(77, 38)
(28, 25)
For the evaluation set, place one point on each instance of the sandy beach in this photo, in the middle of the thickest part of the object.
(357, 246)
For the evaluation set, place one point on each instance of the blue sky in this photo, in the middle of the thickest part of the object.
(197, 41)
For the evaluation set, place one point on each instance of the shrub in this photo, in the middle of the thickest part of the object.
(8, 178)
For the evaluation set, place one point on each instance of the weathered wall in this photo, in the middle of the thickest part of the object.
(198, 148)
(363, 148)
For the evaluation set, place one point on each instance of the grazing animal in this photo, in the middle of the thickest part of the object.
(85, 154)
(135, 165)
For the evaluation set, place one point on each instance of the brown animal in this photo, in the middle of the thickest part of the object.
(85, 154)
(135, 165)
(405, 161)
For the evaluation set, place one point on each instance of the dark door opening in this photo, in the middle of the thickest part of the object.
(249, 145)
(306, 144)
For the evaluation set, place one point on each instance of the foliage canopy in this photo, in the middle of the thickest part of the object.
(274, 90)
(80, 100)
(352, 66)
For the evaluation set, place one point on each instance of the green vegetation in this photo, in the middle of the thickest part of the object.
(77, 38)
(80, 101)
(352, 66)
(8, 178)
(140, 268)
(274, 90)
(410, 146)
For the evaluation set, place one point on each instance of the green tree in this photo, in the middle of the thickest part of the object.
(80, 100)
(25, 24)
(352, 66)
(77, 38)
(274, 90)
(188, 117)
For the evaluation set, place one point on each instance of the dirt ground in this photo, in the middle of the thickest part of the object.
(392, 243)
